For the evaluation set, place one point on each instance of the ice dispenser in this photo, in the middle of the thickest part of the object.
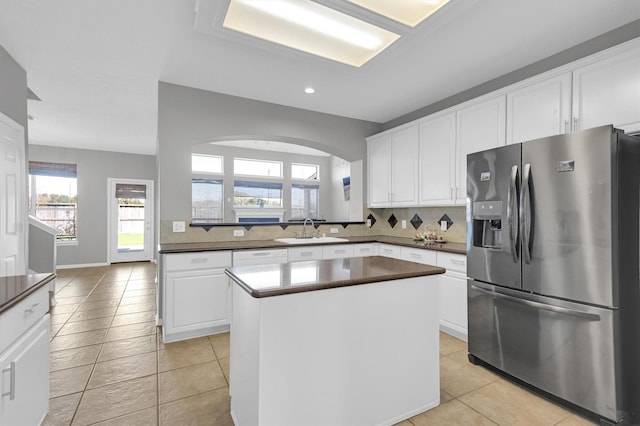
(487, 224)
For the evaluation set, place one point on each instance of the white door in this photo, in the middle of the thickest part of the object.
(130, 220)
(13, 204)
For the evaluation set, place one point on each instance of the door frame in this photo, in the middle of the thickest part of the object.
(148, 252)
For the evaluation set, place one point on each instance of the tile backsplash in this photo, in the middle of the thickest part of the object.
(381, 219)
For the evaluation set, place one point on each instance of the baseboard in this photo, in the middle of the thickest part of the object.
(81, 265)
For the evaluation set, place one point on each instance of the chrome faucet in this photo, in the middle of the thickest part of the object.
(304, 227)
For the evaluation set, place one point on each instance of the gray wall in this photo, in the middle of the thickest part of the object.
(187, 116)
(94, 167)
(13, 89)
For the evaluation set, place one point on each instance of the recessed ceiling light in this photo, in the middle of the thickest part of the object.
(311, 27)
(309, 90)
(408, 12)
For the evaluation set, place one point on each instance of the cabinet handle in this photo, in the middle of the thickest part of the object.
(457, 262)
(575, 123)
(12, 381)
(340, 251)
(200, 260)
(306, 253)
(416, 255)
(260, 254)
(566, 126)
(33, 308)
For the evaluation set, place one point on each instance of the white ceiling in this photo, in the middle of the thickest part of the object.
(96, 63)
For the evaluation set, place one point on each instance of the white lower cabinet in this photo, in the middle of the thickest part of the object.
(453, 294)
(24, 379)
(197, 295)
(337, 251)
(418, 255)
(304, 253)
(388, 250)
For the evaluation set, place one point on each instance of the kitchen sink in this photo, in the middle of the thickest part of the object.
(314, 240)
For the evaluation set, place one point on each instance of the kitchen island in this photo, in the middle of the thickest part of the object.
(334, 342)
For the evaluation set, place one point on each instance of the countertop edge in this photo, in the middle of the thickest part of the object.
(258, 294)
(169, 248)
(28, 292)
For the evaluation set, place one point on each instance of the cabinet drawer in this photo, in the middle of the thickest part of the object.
(363, 250)
(17, 320)
(199, 260)
(388, 250)
(452, 262)
(337, 252)
(428, 257)
(304, 253)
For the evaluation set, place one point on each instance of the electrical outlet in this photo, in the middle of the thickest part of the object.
(443, 226)
(368, 223)
(333, 230)
(404, 224)
(238, 233)
(179, 226)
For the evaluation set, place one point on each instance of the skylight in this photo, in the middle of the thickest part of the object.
(408, 12)
(310, 27)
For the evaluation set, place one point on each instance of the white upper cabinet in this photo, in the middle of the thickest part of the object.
(480, 126)
(608, 92)
(393, 168)
(437, 164)
(539, 109)
(379, 170)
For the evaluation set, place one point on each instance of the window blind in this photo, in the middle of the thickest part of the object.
(44, 168)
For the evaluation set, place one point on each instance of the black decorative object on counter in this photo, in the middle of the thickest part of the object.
(392, 220)
(416, 221)
(446, 219)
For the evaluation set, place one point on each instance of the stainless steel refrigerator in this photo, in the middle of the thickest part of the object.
(553, 267)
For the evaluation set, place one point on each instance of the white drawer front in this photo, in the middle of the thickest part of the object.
(18, 319)
(388, 250)
(453, 262)
(199, 260)
(337, 252)
(428, 257)
(363, 250)
(305, 253)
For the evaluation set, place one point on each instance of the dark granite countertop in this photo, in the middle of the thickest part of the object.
(16, 288)
(457, 248)
(297, 277)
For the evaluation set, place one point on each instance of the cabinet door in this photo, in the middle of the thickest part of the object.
(25, 377)
(196, 302)
(453, 305)
(480, 126)
(363, 250)
(608, 92)
(379, 171)
(389, 250)
(540, 109)
(436, 164)
(418, 255)
(404, 168)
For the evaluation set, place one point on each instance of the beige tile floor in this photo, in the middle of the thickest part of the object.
(109, 366)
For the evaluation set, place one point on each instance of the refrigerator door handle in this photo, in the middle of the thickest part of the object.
(537, 305)
(525, 214)
(512, 217)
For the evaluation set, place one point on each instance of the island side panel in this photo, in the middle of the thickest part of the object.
(360, 355)
(244, 357)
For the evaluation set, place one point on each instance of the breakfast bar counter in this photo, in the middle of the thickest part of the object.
(335, 342)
